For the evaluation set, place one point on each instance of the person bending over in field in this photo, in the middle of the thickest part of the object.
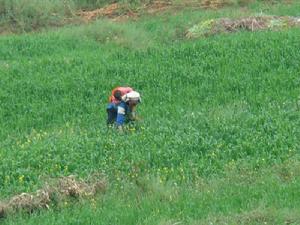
(122, 105)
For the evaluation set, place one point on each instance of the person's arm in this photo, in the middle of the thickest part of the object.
(132, 114)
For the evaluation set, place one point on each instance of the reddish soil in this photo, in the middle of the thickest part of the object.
(121, 12)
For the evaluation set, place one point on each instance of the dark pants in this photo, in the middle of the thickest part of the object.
(112, 112)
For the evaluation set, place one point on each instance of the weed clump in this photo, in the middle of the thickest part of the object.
(59, 191)
(255, 23)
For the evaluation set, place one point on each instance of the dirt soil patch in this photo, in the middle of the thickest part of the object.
(121, 12)
(215, 4)
(108, 11)
(116, 12)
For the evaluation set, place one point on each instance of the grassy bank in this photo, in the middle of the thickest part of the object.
(17, 16)
(267, 196)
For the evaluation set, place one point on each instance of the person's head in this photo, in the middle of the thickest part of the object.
(132, 98)
(118, 95)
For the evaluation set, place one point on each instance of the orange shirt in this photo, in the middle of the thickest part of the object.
(124, 91)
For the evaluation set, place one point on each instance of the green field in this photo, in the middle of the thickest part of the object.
(220, 136)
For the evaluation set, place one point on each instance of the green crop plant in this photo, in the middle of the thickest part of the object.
(206, 103)
(219, 139)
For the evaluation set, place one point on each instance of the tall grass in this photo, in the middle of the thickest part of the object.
(212, 102)
(220, 135)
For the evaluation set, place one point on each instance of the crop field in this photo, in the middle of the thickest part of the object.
(218, 142)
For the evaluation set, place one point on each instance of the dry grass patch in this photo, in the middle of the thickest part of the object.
(254, 23)
(56, 191)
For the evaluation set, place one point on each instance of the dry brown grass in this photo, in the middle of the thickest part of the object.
(59, 190)
(253, 23)
(119, 12)
(215, 4)
(109, 11)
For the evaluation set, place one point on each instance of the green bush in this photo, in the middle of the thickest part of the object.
(26, 15)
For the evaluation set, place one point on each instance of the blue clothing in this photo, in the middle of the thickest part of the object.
(123, 110)
(111, 113)
(118, 113)
(111, 106)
